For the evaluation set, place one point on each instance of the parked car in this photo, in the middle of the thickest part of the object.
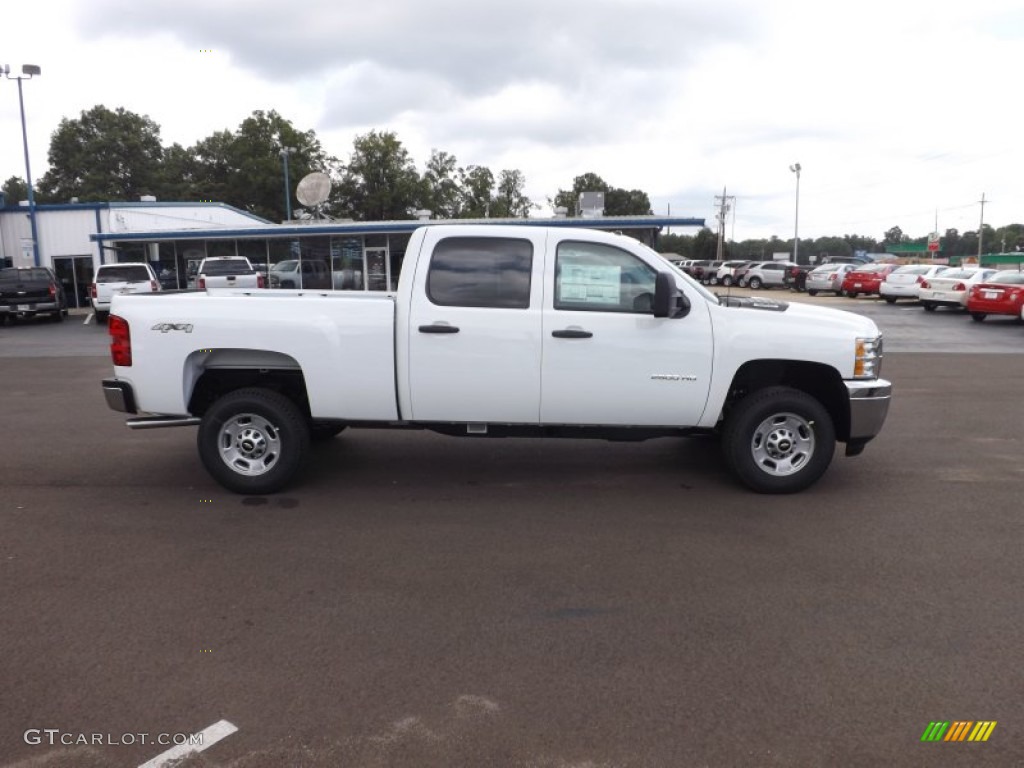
(905, 282)
(739, 275)
(708, 274)
(1000, 294)
(31, 291)
(950, 288)
(768, 274)
(827, 278)
(727, 272)
(227, 272)
(126, 277)
(866, 279)
(305, 273)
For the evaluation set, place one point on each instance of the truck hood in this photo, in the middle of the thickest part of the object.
(760, 328)
(806, 314)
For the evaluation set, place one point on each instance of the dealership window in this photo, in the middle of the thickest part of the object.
(593, 277)
(481, 272)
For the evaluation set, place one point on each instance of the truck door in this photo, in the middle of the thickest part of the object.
(607, 359)
(475, 328)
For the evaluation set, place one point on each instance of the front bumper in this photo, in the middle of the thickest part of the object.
(869, 405)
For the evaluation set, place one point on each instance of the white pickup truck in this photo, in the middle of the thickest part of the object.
(227, 272)
(499, 331)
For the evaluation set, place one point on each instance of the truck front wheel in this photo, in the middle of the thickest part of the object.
(253, 440)
(779, 440)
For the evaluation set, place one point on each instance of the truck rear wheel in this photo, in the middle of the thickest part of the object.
(779, 440)
(253, 440)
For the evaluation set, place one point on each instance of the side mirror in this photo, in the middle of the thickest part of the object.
(669, 301)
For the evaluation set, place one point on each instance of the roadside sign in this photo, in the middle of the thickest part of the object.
(933, 246)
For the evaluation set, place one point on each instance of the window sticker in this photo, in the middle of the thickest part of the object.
(590, 284)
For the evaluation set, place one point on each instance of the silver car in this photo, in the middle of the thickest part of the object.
(769, 274)
(828, 278)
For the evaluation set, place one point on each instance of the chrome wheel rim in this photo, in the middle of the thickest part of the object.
(249, 444)
(783, 444)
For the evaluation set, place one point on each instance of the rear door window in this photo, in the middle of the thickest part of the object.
(481, 272)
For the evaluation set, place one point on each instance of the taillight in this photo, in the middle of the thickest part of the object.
(260, 283)
(153, 286)
(53, 291)
(92, 290)
(924, 283)
(920, 280)
(201, 283)
(959, 287)
(120, 341)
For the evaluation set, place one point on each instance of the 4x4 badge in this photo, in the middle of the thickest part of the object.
(165, 327)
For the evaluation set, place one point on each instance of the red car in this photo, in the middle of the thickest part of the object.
(1001, 294)
(866, 279)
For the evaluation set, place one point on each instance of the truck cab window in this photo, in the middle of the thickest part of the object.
(481, 272)
(601, 278)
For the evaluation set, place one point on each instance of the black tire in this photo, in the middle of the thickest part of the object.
(755, 283)
(321, 433)
(852, 294)
(928, 306)
(778, 440)
(812, 293)
(978, 317)
(57, 317)
(253, 441)
(890, 299)
(101, 317)
(727, 281)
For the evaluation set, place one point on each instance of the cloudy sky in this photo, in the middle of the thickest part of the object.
(894, 109)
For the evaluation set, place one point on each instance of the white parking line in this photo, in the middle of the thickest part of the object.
(89, 318)
(210, 735)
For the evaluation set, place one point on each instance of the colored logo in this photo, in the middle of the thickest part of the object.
(959, 730)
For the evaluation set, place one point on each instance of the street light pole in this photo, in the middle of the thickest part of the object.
(27, 72)
(795, 168)
(285, 152)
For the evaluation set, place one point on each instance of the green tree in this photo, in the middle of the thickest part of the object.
(477, 185)
(510, 200)
(176, 179)
(705, 244)
(894, 236)
(441, 192)
(244, 168)
(620, 202)
(617, 201)
(828, 246)
(380, 182)
(103, 155)
(14, 190)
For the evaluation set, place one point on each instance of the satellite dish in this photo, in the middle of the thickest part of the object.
(313, 189)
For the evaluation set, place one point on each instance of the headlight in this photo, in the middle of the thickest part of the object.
(867, 362)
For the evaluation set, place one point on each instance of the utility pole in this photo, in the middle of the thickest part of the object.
(723, 203)
(981, 226)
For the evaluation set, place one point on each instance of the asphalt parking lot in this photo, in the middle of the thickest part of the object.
(418, 600)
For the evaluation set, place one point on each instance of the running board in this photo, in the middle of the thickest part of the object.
(154, 422)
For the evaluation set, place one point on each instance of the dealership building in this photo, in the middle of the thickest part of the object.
(74, 238)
